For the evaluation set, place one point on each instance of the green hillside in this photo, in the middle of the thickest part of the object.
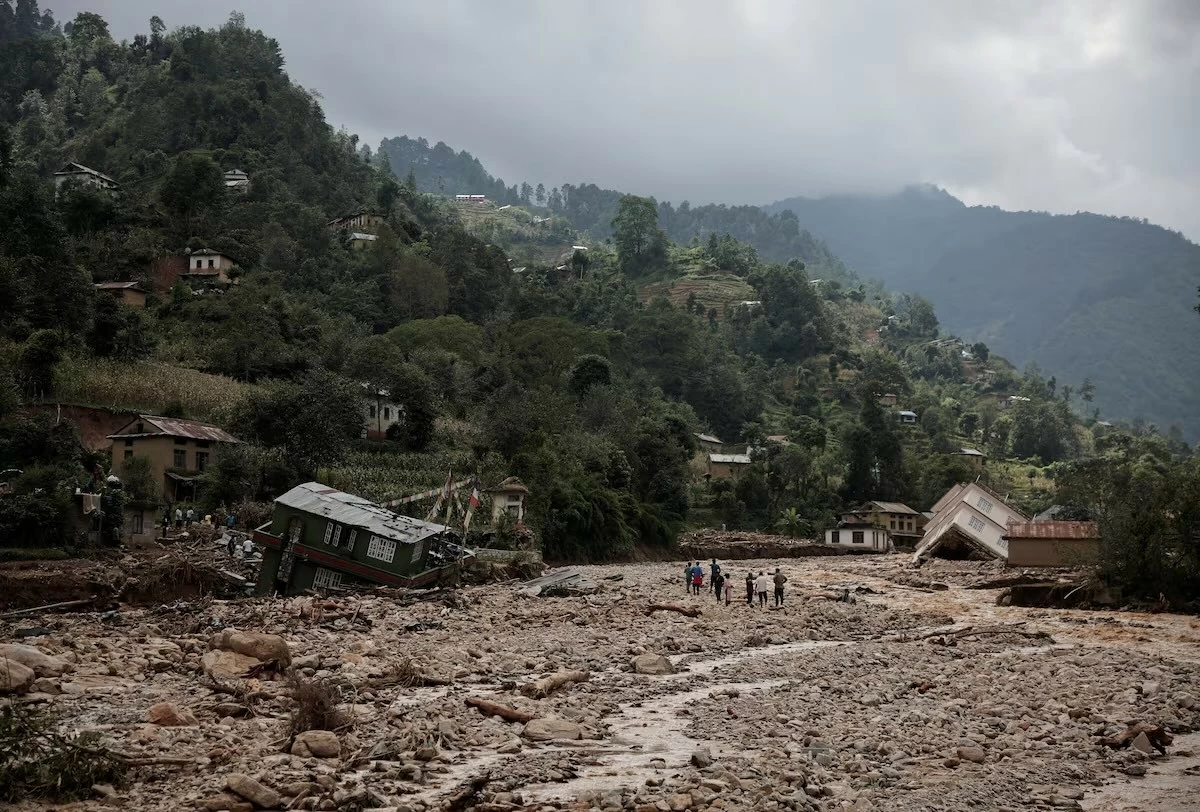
(573, 374)
(1088, 297)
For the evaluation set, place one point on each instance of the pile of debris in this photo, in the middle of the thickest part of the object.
(701, 545)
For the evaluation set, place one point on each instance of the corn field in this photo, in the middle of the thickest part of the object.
(383, 475)
(147, 386)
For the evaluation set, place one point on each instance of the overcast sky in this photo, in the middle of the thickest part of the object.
(1028, 104)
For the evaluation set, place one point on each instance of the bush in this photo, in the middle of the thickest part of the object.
(316, 706)
(38, 762)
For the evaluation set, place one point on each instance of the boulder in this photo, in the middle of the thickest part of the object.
(1142, 743)
(254, 792)
(43, 664)
(974, 754)
(168, 714)
(262, 647)
(702, 758)
(14, 677)
(317, 743)
(226, 664)
(652, 664)
(546, 728)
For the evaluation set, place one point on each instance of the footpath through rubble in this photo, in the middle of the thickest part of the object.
(863, 692)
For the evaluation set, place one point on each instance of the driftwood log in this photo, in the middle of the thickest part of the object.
(506, 713)
(689, 611)
(1158, 736)
(974, 631)
(548, 685)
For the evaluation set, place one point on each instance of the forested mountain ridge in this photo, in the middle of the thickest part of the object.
(556, 372)
(591, 209)
(1086, 296)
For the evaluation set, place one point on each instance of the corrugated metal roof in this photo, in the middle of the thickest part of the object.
(120, 286)
(346, 508)
(360, 235)
(736, 459)
(175, 427)
(893, 507)
(708, 438)
(1053, 530)
(969, 452)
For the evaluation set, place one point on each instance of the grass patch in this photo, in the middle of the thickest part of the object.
(34, 554)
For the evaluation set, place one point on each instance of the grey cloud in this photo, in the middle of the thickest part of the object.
(1062, 106)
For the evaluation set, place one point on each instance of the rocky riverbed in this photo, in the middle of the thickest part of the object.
(921, 694)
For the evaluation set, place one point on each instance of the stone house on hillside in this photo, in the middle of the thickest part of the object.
(78, 173)
(178, 452)
(726, 466)
(209, 266)
(131, 294)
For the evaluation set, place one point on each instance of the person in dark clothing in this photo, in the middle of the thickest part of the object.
(718, 585)
(749, 589)
(687, 577)
(714, 569)
(780, 580)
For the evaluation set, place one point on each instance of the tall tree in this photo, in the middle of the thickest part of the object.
(641, 244)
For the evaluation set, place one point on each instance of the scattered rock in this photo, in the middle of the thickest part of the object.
(224, 665)
(168, 714)
(975, 754)
(547, 728)
(1141, 743)
(654, 664)
(702, 758)
(43, 664)
(1136, 770)
(254, 792)
(316, 744)
(262, 647)
(14, 677)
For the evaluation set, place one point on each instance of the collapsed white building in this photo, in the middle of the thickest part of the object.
(969, 521)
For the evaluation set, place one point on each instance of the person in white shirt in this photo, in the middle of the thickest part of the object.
(248, 548)
(762, 585)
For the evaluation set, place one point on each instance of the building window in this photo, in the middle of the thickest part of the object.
(212, 263)
(857, 537)
(984, 505)
(418, 549)
(350, 541)
(328, 532)
(137, 522)
(372, 411)
(382, 549)
(337, 535)
(198, 261)
(180, 441)
(180, 459)
(129, 453)
(326, 579)
(387, 412)
(976, 524)
(892, 523)
(201, 460)
(202, 444)
(834, 537)
(128, 443)
(910, 525)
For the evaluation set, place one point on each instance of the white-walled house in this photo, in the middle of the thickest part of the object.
(380, 413)
(860, 536)
(968, 520)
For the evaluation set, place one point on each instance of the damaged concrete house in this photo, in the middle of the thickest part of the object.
(323, 538)
(969, 521)
(904, 525)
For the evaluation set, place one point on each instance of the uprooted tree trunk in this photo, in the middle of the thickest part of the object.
(689, 611)
(1156, 735)
(496, 709)
(548, 685)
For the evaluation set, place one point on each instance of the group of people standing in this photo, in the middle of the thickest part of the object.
(722, 585)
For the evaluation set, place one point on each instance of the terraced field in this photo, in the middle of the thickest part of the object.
(714, 290)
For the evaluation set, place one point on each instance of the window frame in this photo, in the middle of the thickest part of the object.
(977, 524)
(179, 459)
(857, 537)
(325, 578)
(382, 549)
